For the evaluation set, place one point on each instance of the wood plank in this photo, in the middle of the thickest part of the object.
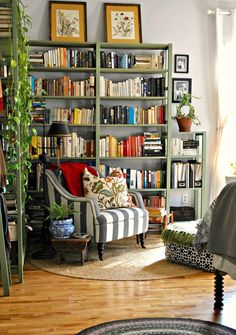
(53, 304)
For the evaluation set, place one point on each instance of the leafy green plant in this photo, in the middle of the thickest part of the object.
(60, 212)
(186, 109)
(19, 101)
(233, 167)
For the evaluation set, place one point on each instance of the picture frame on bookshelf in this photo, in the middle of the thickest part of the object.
(68, 21)
(180, 86)
(122, 23)
(181, 63)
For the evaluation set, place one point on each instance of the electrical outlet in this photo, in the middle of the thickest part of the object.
(185, 198)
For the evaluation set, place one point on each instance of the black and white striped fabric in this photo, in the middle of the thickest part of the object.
(102, 225)
(114, 224)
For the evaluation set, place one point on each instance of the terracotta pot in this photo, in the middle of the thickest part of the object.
(184, 124)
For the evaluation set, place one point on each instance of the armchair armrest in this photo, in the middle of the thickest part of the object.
(64, 194)
(137, 198)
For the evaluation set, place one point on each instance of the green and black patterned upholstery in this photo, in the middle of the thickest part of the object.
(179, 248)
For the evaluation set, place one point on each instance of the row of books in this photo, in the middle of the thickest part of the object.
(62, 86)
(70, 147)
(133, 115)
(186, 174)
(133, 87)
(109, 146)
(147, 179)
(108, 115)
(76, 115)
(185, 147)
(132, 146)
(139, 179)
(154, 201)
(113, 59)
(5, 21)
(63, 57)
(137, 87)
(74, 57)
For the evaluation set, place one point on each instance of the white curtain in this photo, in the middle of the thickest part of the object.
(225, 149)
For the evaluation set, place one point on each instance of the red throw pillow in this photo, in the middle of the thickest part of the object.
(72, 174)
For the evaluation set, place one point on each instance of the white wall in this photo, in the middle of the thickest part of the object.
(184, 23)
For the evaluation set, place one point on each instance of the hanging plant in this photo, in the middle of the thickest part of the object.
(19, 102)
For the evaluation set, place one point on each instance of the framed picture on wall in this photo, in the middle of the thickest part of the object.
(181, 63)
(68, 21)
(122, 23)
(179, 87)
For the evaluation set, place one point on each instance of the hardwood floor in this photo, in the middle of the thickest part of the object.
(53, 304)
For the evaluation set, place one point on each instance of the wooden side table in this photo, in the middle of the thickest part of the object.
(72, 245)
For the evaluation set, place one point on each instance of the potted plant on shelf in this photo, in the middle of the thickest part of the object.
(186, 114)
(61, 226)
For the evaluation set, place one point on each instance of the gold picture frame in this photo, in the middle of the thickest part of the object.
(68, 21)
(122, 23)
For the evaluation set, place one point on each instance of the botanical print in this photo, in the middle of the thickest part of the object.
(122, 25)
(67, 23)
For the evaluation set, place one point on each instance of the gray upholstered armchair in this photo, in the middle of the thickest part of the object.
(103, 225)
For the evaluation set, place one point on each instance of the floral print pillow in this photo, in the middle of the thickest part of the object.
(110, 191)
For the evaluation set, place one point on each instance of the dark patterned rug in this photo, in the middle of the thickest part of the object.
(159, 326)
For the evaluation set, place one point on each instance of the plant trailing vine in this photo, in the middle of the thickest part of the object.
(19, 102)
(185, 109)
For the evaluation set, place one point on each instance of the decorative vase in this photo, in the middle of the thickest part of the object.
(184, 124)
(62, 229)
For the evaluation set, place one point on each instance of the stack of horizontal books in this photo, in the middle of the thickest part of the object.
(156, 219)
(152, 145)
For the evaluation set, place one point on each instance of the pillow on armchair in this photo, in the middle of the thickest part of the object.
(110, 191)
(72, 175)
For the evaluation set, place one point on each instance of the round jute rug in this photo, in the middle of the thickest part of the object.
(123, 260)
(161, 326)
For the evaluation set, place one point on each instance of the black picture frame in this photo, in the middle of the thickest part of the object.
(181, 63)
(179, 87)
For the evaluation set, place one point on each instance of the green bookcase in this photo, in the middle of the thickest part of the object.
(120, 130)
